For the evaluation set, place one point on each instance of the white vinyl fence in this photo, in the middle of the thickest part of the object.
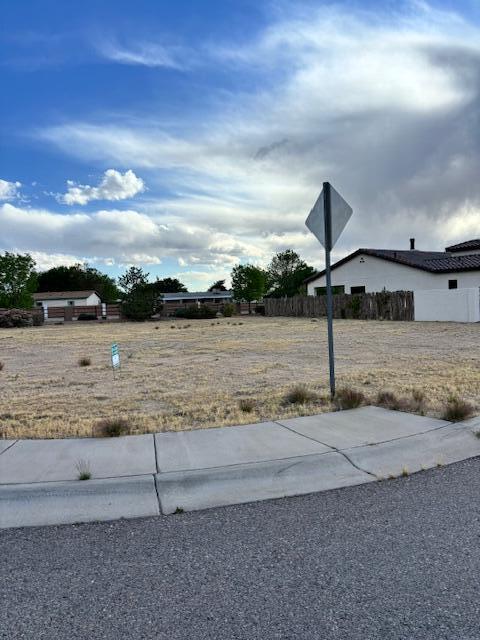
(450, 305)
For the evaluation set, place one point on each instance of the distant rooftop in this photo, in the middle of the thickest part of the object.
(196, 295)
(63, 295)
(469, 245)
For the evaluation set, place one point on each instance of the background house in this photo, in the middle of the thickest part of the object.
(215, 299)
(47, 299)
(372, 270)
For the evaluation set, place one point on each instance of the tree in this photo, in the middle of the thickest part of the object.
(141, 302)
(219, 285)
(249, 283)
(133, 278)
(169, 285)
(18, 280)
(287, 271)
(78, 277)
(141, 299)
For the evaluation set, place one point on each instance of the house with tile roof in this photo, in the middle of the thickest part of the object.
(373, 270)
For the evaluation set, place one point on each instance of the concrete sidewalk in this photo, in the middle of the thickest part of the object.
(144, 475)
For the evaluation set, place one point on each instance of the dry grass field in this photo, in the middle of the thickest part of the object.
(183, 374)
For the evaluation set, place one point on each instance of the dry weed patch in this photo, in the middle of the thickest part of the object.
(457, 409)
(195, 377)
(111, 428)
(348, 398)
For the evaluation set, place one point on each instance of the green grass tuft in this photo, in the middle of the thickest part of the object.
(83, 469)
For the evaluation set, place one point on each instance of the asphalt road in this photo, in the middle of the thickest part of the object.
(390, 560)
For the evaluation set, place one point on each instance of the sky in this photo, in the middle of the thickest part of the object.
(187, 137)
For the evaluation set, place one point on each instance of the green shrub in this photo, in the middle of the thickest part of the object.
(299, 394)
(141, 303)
(228, 310)
(111, 428)
(348, 398)
(457, 409)
(193, 312)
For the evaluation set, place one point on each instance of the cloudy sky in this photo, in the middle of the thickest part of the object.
(189, 136)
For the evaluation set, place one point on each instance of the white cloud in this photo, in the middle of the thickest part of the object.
(148, 54)
(201, 280)
(123, 237)
(9, 190)
(45, 261)
(383, 106)
(113, 186)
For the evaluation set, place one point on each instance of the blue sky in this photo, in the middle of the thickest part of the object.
(187, 137)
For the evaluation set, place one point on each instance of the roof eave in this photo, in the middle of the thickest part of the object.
(390, 259)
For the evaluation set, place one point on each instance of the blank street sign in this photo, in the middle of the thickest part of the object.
(326, 221)
(341, 212)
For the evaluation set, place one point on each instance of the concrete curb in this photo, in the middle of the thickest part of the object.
(137, 476)
(52, 503)
(446, 445)
(221, 486)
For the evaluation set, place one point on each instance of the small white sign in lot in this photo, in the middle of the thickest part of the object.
(115, 356)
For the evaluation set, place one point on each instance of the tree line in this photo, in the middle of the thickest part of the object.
(19, 280)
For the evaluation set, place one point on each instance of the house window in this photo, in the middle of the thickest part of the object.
(322, 291)
(453, 284)
(71, 303)
(357, 289)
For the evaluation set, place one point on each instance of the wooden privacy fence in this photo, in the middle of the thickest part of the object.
(385, 305)
(71, 312)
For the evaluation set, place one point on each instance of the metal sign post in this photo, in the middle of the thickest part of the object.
(326, 221)
(327, 207)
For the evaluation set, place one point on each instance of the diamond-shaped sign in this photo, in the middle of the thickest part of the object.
(341, 212)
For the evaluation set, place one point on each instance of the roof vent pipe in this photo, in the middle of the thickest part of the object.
(412, 244)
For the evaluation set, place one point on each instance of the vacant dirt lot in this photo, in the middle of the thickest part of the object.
(179, 375)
